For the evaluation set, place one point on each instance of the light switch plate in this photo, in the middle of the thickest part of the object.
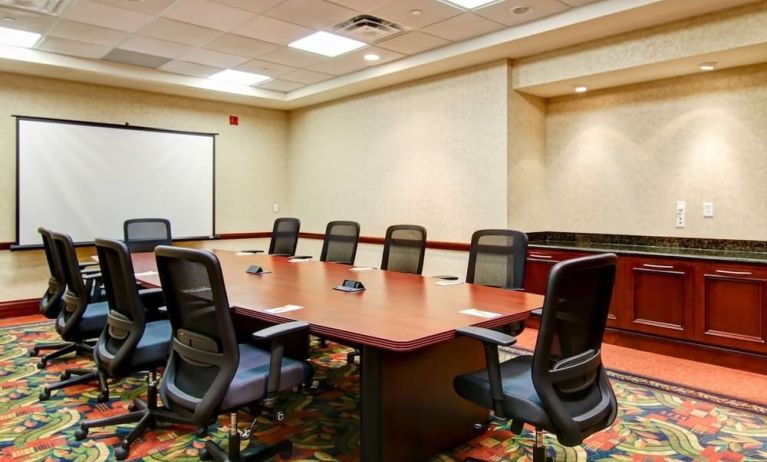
(276, 207)
(708, 210)
(681, 207)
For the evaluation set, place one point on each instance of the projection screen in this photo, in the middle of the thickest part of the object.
(85, 179)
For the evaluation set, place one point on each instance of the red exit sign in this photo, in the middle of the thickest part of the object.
(234, 120)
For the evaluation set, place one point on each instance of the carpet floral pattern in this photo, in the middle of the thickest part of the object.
(656, 421)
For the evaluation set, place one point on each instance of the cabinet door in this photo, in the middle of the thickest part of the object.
(732, 307)
(659, 297)
(538, 266)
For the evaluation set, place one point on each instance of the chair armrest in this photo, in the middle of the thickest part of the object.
(445, 277)
(84, 264)
(253, 251)
(279, 330)
(302, 257)
(487, 336)
(89, 276)
(281, 255)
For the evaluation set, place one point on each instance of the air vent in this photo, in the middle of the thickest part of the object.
(368, 28)
(51, 7)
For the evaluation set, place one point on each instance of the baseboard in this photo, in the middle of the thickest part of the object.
(5, 245)
(17, 308)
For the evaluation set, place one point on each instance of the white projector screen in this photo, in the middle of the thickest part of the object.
(86, 179)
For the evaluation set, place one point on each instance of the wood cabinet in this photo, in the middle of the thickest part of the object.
(732, 306)
(658, 296)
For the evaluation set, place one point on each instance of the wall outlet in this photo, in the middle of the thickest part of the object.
(708, 210)
(275, 207)
(681, 207)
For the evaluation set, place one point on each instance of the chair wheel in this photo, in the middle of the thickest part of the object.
(204, 454)
(121, 453)
(202, 432)
(81, 433)
(45, 395)
(34, 352)
(64, 376)
(279, 416)
(132, 407)
(42, 363)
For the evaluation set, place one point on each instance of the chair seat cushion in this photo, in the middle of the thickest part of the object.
(520, 400)
(249, 382)
(93, 321)
(153, 347)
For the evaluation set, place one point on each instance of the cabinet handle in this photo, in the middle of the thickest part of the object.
(735, 273)
(538, 255)
(647, 265)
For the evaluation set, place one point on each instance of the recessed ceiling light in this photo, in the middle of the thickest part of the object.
(239, 77)
(581, 89)
(521, 10)
(708, 66)
(416, 12)
(18, 38)
(371, 57)
(469, 4)
(325, 43)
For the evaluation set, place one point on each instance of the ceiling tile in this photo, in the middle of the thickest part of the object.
(355, 61)
(213, 58)
(135, 59)
(265, 67)
(25, 20)
(255, 6)
(155, 46)
(292, 57)
(153, 7)
(432, 11)
(89, 12)
(241, 46)
(207, 14)
(281, 85)
(73, 48)
(501, 11)
(463, 27)
(191, 69)
(413, 42)
(362, 6)
(175, 31)
(311, 13)
(271, 30)
(86, 33)
(305, 76)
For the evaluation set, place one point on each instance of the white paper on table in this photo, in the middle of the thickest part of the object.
(298, 260)
(245, 253)
(283, 309)
(146, 273)
(361, 268)
(448, 283)
(480, 313)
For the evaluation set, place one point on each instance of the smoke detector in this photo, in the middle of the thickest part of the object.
(368, 28)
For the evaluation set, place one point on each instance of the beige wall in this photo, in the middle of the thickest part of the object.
(432, 152)
(250, 158)
(619, 159)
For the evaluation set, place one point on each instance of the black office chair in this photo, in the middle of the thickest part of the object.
(144, 234)
(208, 371)
(404, 249)
(562, 388)
(284, 237)
(79, 322)
(50, 302)
(340, 243)
(129, 344)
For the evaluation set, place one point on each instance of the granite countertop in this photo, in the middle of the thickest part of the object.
(694, 248)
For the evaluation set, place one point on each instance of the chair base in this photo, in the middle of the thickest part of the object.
(145, 414)
(213, 451)
(61, 349)
(80, 376)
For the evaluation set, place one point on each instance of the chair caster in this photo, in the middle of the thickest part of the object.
(121, 453)
(481, 426)
(45, 395)
(275, 415)
(202, 432)
(34, 352)
(64, 376)
(42, 363)
(286, 451)
(132, 407)
(204, 454)
(81, 433)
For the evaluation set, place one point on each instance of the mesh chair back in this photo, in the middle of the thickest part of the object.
(126, 318)
(340, 243)
(497, 258)
(50, 302)
(75, 297)
(567, 367)
(204, 353)
(144, 234)
(404, 249)
(285, 236)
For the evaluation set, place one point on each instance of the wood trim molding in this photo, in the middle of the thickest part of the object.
(244, 235)
(5, 245)
(441, 245)
(17, 308)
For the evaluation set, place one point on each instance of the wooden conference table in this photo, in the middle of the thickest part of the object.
(405, 326)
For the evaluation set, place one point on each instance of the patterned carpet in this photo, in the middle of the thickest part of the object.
(656, 421)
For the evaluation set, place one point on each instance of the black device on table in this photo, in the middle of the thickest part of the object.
(350, 285)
